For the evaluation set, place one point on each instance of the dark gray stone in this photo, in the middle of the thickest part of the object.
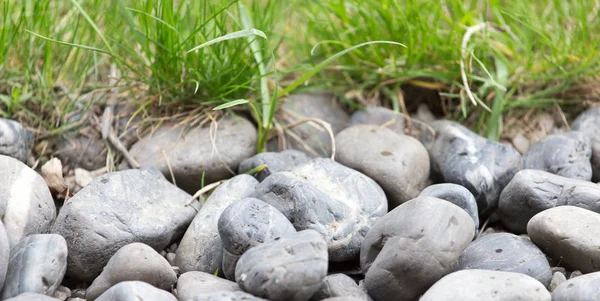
(508, 253)
(484, 167)
(332, 199)
(274, 162)
(339, 285)
(533, 191)
(229, 263)
(314, 139)
(15, 141)
(395, 122)
(133, 262)
(582, 288)
(566, 155)
(117, 209)
(399, 163)
(226, 296)
(37, 265)
(457, 195)
(31, 297)
(4, 254)
(247, 223)
(26, 205)
(192, 284)
(413, 246)
(589, 124)
(83, 151)
(289, 269)
(201, 247)
(478, 285)
(570, 235)
(217, 152)
(134, 291)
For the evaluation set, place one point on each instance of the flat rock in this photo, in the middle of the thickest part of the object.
(566, 155)
(201, 248)
(31, 297)
(133, 262)
(323, 195)
(191, 152)
(15, 141)
(589, 124)
(247, 223)
(477, 285)
(26, 205)
(533, 191)
(457, 195)
(570, 235)
(117, 209)
(508, 253)
(339, 285)
(291, 268)
(484, 167)
(273, 162)
(4, 254)
(399, 163)
(314, 140)
(394, 121)
(37, 265)
(413, 246)
(192, 284)
(135, 290)
(226, 296)
(582, 288)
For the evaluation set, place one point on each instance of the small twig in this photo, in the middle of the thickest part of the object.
(116, 142)
(562, 116)
(169, 166)
(482, 228)
(204, 190)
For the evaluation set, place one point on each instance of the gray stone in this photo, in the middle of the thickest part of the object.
(399, 163)
(521, 143)
(575, 273)
(582, 288)
(192, 284)
(229, 263)
(83, 151)
(413, 246)
(247, 223)
(37, 265)
(31, 297)
(457, 195)
(171, 258)
(15, 141)
(570, 235)
(291, 268)
(477, 285)
(566, 155)
(4, 254)
(314, 139)
(117, 209)
(508, 253)
(26, 205)
(323, 195)
(133, 262)
(589, 124)
(558, 278)
(134, 291)
(62, 293)
(533, 191)
(343, 299)
(226, 296)
(274, 162)
(215, 150)
(339, 285)
(395, 122)
(201, 247)
(484, 167)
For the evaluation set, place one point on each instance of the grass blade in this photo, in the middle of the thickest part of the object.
(67, 43)
(230, 36)
(230, 104)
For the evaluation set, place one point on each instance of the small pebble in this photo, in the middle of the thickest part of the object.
(558, 278)
(171, 258)
(575, 273)
(521, 143)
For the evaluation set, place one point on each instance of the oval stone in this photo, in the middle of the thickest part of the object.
(581, 288)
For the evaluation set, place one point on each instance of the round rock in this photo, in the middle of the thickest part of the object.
(4, 254)
(247, 223)
(26, 205)
(192, 284)
(201, 248)
(273, 162)
(582, 288)
(291, 268)
(215, 150)
(570, 235)
(37, 265)
(566, 155)
(135, 290)
(457, 195)
(533, 191)
(133, 262)
(589, 124)
(399, 163)
(117, 209)
(477, 285)
(508, 253)
(484, 167)
(413, 246)
(15, 141)
(339, 285)
(336, 201)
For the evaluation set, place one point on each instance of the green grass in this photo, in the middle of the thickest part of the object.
(529, 53)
